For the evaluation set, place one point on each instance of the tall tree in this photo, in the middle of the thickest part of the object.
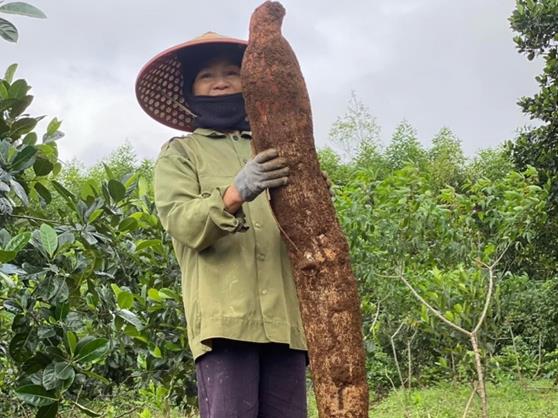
(492, 163)
(536, 24)
(446, 159)
(356, 130)
(405, 148)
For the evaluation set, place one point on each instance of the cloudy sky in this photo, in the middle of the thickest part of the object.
(434, 63)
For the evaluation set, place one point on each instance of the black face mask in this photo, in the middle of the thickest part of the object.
(222, 113)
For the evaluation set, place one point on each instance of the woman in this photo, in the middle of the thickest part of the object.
(243, 320)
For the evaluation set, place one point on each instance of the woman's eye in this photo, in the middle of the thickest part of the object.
(232, 71)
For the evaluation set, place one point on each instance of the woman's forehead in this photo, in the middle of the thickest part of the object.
(220, 61)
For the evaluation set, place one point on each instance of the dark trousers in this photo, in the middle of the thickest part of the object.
(250, 380)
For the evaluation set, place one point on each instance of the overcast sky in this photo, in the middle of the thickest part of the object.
(434, 63)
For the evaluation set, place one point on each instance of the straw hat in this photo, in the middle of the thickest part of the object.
(160, 83)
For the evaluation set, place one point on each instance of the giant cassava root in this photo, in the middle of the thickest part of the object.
(278, 108)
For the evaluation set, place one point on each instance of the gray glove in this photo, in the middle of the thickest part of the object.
(266, 170)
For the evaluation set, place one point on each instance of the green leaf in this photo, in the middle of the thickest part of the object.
(449, 316)
(57, 168)
(3, 90)
(173, 347)
(9, 74)
(110, 174)
(67, 195)
(30, 139)
(42, 167)
(22, 9)
(424, 313)
(62, 309)
(18, 348)
(156, 352)
(43, 192)
(21, 104)
(7, 104)
(125, 300)
(168, 294)
(8, 31)
(87, 189)
(7, 256)
(20, 192)
(6, 206)
(130, 317)
(23, 159)
(143, 187)
(20, 324)
(83, 341)
(18, 89)
(94, 215)
(116, 190)
(91, 350)
(48, 411)
(23, 126)
(53, 126)
(55, 290)
(49, 239)
(35, 395)
(89, 237)
(64, 370)
(50, 379)
(116, 289)
(96, 376)
(48, 151)
(128, 224)
(65, 238)
(153, 294)
(18, 242)
(70, 341)
(148, 243)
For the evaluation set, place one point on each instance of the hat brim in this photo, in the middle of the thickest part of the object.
(160, 83)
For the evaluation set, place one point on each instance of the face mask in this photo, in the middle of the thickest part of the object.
(222, 113)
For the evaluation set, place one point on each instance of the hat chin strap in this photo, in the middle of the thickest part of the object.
(222, 113)
(178, 104)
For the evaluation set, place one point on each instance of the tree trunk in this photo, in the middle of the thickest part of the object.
(481, 389)
(278, 107)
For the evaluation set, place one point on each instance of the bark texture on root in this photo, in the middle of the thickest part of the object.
(278, 107)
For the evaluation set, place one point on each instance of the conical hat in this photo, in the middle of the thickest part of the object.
(160, 83)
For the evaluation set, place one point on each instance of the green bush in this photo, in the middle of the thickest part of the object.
(90, 296)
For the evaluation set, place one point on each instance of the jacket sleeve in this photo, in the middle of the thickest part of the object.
(196, 220)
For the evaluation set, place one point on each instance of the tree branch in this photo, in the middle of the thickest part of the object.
(395, 352)
(433, 310)
(488, 297)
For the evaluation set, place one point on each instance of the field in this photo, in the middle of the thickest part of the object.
(511, 399)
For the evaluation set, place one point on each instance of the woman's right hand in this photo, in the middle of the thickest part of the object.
(266, 170)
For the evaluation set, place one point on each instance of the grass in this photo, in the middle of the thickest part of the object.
(507, 400)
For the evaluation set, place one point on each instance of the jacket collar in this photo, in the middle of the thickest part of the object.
(211, 133)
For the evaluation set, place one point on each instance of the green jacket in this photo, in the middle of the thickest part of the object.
(236, 275)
